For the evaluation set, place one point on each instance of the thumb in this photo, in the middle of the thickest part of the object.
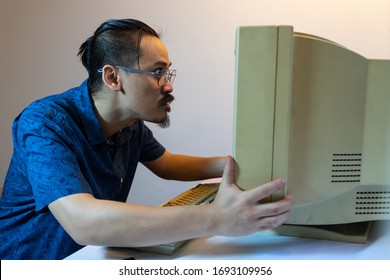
(228, 172)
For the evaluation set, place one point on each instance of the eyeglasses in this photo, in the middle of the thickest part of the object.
(162, 76)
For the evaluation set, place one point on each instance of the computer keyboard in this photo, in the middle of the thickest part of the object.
(200, 194)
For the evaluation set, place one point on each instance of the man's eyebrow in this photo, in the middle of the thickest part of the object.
(163, 63)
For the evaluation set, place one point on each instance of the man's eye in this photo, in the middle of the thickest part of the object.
(158, 72)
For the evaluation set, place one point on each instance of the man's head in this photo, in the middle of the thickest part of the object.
(115, 42)
(127, 57)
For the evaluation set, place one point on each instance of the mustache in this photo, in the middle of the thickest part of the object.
(168, 98)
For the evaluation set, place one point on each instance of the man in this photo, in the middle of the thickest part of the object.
(75, 155)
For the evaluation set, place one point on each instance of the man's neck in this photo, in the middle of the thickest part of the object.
(109, 118)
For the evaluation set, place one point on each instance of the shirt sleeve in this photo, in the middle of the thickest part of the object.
(51, 165)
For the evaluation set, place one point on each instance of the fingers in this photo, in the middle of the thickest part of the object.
(270, 215)
(273, 214)
(270, 222)
(255, 194)
(275, 208)
(228, 172)
(260, 192)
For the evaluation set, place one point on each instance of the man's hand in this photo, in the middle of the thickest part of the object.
(239, 212)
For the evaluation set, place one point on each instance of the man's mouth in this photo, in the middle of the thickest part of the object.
(166, 101)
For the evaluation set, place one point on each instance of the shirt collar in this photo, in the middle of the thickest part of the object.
(84, 105)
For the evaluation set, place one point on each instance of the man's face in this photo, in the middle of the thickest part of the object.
(143, 98)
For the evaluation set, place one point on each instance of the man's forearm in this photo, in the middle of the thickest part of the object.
(187, 168)
(110, 223)
(199, 168)
(234, 212)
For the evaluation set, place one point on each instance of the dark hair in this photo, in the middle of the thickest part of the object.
(115, 42)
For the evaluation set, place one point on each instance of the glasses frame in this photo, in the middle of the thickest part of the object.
(170, 73)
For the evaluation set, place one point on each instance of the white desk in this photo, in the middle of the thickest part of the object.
(263, 245)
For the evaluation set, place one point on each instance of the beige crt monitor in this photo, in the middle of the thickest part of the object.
(318, 114)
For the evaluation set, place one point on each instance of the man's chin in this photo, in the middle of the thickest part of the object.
(165, 123)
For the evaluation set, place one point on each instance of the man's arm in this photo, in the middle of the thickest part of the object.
(234, 212)
(186, 168)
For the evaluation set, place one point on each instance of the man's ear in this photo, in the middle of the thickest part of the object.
(111, 78)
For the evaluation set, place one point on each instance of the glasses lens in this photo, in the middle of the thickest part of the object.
(172, 75)
(168, 75)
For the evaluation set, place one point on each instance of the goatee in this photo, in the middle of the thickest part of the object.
(165, 123)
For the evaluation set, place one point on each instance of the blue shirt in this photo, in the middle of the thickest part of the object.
(59, 150)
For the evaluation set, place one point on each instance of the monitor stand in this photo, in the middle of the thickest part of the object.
(353, 232)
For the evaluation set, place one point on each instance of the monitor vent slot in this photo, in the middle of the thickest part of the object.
(373, 202)
(346, 168)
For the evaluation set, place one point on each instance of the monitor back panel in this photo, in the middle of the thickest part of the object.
(300, 113)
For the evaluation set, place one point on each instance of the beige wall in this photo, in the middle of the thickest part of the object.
(40, 39)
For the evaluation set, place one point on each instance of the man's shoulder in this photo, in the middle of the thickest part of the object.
(52, 108)
(56, 106)
(57, 111)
